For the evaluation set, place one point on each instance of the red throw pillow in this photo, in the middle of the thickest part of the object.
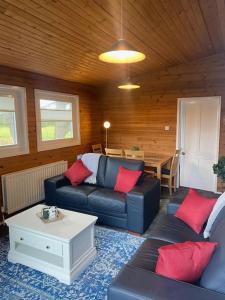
(184, 261)
(195, 210)
(126, 180)
(77, 173)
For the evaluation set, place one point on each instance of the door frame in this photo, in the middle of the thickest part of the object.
(180, 117)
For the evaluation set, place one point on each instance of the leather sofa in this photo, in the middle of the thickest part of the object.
(138, 281)
(133, 211)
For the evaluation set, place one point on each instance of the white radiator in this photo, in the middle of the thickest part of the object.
(24, 188)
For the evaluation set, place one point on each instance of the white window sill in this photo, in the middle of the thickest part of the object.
(50, 145)
(9, 151)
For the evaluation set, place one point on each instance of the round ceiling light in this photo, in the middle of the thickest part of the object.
(122, 53)
(129, 86)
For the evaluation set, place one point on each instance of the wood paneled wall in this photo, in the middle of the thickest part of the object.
(138, 117)
(90, 119)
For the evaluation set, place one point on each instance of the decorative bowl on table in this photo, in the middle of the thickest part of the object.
(50, 214)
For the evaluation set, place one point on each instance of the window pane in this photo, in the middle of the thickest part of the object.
(56, 115)
(7, 103)
(55, 130)
(13, 121)
(55, 105)
(56, 120)
(7, 128)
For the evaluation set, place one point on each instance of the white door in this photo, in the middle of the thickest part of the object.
(199, 141)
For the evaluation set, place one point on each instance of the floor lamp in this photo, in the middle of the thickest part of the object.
(106, 125)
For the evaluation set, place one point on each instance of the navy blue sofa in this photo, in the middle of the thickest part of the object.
(138, 281)
(133, 211)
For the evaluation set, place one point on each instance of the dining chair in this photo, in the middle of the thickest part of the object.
(97, 148)
(170, 174)
(139, 154)
(134, 154)
(114, 152)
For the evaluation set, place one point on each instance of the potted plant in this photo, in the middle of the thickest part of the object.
(219, 170)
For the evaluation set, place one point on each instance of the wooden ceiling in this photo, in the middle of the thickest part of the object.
(63, 38)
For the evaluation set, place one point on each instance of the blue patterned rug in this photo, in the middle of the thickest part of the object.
(114, 249)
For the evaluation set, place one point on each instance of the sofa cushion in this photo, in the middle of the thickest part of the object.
(214, 275)
(74, 196)
(108, 201)
(101, 170)
(171, 229)
(77, 173)
(184, 261)
(165, 171)
(195, 210)
(147, 255)
(112, 169)
(126, 180)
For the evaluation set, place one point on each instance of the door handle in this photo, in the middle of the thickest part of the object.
(183, 153)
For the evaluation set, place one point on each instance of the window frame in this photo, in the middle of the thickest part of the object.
(59, 143)
(22, 146)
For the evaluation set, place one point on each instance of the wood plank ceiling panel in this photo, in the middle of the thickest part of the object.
(63, 38)
(210, 15)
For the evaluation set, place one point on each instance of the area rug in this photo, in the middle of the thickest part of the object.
(114, 249)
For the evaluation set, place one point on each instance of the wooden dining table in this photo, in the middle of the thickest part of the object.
(157, 162)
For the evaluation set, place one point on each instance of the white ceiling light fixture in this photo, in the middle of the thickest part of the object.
(122, 52)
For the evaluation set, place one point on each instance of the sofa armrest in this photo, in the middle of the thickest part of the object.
(143, 204)
(140, 284)
(50, 186)
(172, 207)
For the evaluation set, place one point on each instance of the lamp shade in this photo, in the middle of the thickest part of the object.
(122, 53)
(106, 124)
(128, 86)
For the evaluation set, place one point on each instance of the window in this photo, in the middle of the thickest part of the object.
(8, 135)
(13, 121)
(57, 117)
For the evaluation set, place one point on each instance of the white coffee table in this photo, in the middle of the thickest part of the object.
(62, 249)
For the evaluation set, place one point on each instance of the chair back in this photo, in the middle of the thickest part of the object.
(175, 163)
(134, 154)
(97, 148)
(114, 152)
